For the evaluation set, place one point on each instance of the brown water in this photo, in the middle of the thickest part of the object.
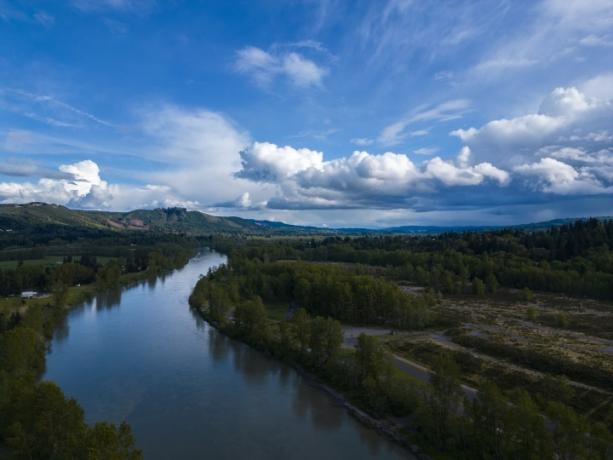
(191, 393)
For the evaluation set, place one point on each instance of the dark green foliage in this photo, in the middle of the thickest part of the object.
(322, 290)
(129, 253)
(493, 426)
(43, 424)
(442, 402)
(575, 259)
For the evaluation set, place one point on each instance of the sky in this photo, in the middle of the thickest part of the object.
(323, 112)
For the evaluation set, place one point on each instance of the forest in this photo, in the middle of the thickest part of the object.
(323, 284)
(443, 421)
(574, 259)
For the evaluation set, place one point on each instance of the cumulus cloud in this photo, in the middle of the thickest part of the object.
(566, 116)
(266, 162)
(304, 179)
(564, 149)
(79, 181)
(264, 67)
(80, 185)
(554, 176)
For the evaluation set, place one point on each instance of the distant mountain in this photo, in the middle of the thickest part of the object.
(34, 217)
(436, 230)
(16, 217)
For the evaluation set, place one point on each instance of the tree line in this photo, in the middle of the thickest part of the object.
(322, 289)
(443, 421)
(87, 269)
(574, 259)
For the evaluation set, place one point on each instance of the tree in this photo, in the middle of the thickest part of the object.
(44, 423)
(569, 432)
(302, 325)
(22, 350)
(478, 287)
(442, 400)
(526, 428)
(326, 339)
(491, 283)
(251, 321)
(108, 275)
(372, 359)
(107, 441)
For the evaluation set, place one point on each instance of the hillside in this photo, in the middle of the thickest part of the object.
(25, 217)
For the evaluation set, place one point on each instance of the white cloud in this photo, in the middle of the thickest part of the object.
(80, 185)
(303, 72)
(554, 176)
(264, 67)
(259, 64)
(304, 179)
(362, 141)
(419, 132)
(268, 162)
(600, 87)
(596, 40)
(566, 116)
(48, 109)
(426, 151)
(202, 151)
(396, 132)
(463, 174)
(557, 27)
(81, 179)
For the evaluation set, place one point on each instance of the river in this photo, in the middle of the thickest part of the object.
(189, 392)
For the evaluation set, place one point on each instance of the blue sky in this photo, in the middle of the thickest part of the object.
(369, 113)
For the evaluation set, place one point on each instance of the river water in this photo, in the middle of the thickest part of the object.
(189, 392)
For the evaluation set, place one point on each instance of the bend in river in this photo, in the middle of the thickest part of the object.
(140, 355)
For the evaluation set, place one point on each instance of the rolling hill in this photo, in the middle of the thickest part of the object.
(36, 217)
(21, 217)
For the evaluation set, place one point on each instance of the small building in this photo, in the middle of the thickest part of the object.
(29, 294)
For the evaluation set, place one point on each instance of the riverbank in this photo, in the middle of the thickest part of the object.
(389, 428)
(76, 295)
(36, 419)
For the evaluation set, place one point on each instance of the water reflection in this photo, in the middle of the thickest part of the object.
(152, 281)
(250, 365)
(61, 329)
(187, 389)
(108, 298)
(219, 345)
(200, 323)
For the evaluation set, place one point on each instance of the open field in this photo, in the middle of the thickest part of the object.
(516, 344)
(47, 261)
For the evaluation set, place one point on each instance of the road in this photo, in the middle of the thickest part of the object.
(415, 370)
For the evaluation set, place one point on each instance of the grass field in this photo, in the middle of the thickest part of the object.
(47, 261)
